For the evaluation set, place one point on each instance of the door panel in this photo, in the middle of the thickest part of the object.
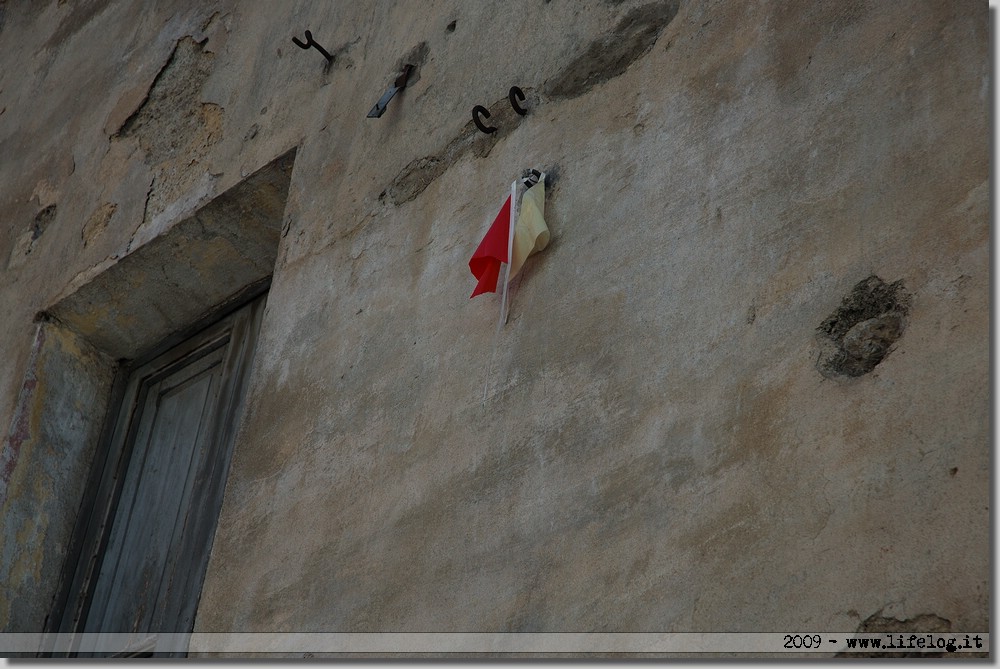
(174, 427)
(158, 488)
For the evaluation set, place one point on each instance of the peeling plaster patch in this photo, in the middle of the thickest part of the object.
(610, 55)
(97, 222)
(165, 120)
(173, 127)
(45, 193)
(20, 429)
(26, 241)
(860, 333)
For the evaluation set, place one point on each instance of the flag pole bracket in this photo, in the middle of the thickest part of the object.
(398, 85)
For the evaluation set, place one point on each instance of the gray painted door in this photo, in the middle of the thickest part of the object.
(161, 492)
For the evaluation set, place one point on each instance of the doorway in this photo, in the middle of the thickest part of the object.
(157, 491)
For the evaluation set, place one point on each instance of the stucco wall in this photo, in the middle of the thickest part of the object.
(652, 443)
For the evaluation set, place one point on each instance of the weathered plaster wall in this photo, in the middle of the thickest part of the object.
(660, 446)
(44, 468)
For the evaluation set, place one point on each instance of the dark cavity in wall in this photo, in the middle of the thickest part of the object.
(860, 333)
(610, 55)
(417, 57)
(27, 238)
(26, 242)
(42, 220)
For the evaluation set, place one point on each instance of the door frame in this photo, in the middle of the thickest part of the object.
(238, 329)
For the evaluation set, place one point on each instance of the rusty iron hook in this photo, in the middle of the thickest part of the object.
(514, 95)
(476, 111)
(312, 43)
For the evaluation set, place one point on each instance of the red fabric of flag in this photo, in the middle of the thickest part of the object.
(485, 262)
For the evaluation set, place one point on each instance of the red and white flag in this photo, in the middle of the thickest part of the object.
(509, 242)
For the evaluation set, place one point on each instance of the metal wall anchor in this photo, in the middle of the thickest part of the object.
(397, 86)
(515, 95)
(311, 43)
(481, 110)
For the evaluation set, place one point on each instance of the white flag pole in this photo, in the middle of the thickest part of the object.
(506, 277)
(510, 252)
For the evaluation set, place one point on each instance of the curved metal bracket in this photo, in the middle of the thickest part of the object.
(476, 111)
(310, 43)
(514, 96)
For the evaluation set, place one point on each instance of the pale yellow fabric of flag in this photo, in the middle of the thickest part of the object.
(531, 235)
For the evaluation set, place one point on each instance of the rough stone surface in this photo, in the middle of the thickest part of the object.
(860, 333)
(182, 273)
(44, 465)
(173, 128)
(647, 445)
(97, 222)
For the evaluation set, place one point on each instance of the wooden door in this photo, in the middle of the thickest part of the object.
(154, 513)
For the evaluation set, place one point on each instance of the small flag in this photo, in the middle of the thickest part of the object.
(492, 251)
(530, 235)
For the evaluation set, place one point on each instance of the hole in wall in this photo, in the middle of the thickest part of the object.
(860, 333)
(417, 57)
(25, 243)
(42, 220)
